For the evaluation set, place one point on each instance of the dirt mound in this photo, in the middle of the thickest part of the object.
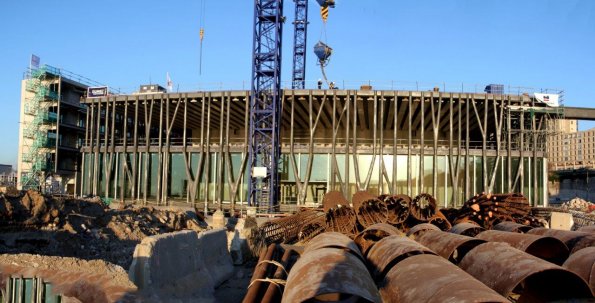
(86, 229)
(117, 274)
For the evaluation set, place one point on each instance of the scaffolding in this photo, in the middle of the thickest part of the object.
(36, 129)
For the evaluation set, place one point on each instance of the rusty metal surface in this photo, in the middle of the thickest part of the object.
(423, 207)
(329, 274)
(332, 199)
(398, 207)
(450, 246)
(334, 240)
(574, 240)
(512, 227)
(583, 264)
(373, 234)
(420, 228)
(511, 272)
(341, 219)
(467, 229)
(311, 230)
(386, 253)
(430, 278)
(360, 197)
(587, 229)
(440, 221)
(261, 271)
(370, 212)
(274, 291)
(287, 230)
(543, 247)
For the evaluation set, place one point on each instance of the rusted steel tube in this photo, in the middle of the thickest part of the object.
(543, 247)
(511, 272)
(512, 227)
(430, 278)
(582, 263)
(332, 199)
(333, 240)
(360, 197)
(440, 221)
(341, 219)
(450, 246)
(329, 274)
(371, 212)
(423, 207)
(466, 229)
(311, 230)
(286, 230)
(273, 292)
(421, 228)
(398, 207)
(587, 229)
(255, 291)
(367, 238)
(574, 240)
(391, 250)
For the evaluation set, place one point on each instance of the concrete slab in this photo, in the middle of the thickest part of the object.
(561, 221)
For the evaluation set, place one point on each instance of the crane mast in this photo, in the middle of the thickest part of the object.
(265, 104)
(300, 33)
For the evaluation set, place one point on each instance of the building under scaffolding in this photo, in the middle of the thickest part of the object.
(192, 147)
(51, 129)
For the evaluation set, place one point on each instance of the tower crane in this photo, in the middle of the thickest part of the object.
(265, 94)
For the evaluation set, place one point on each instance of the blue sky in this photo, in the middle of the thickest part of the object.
(539, 44)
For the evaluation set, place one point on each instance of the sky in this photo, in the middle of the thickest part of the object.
(390, 44)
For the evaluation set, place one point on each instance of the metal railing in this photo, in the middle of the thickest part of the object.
(302, 142)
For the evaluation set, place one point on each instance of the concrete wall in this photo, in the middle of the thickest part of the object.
(182, 264)
(568, 189)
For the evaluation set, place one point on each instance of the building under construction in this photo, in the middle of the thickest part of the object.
(51, 129)
(193, 147)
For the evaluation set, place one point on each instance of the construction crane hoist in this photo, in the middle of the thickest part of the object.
(265, 98)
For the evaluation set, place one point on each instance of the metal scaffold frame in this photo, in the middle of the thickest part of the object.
(300, 33)
(265, 105)
(35, 129)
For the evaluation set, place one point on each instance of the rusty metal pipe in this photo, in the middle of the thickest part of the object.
(467, 229)
(385, 254)
(333, 240)
(512, 227)
(583, 264)
(450, 246)
(587, 229)
(543, 247)
(260, 271)
(329, 274)
(574, 240)
(511, 272)
(430, 278)
(367, 238)
(421, 228)
(273, 293)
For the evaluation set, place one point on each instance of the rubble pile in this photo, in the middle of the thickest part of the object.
(579, 204)
(83, 228)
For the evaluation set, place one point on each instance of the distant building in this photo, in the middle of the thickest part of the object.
(7, 175)
(571, 149)
(52, 127)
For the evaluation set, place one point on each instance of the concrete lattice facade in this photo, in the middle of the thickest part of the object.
(192, 147)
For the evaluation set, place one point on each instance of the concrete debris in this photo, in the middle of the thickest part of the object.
(578, 204)
(83, 228)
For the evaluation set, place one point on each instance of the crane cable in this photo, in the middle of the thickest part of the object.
(201, 33)
(324, 15)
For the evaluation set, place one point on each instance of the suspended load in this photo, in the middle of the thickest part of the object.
(323, 52)
(324, 3)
